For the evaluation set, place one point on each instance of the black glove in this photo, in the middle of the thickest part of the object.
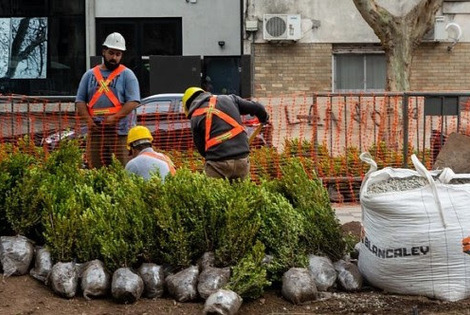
(266, 120)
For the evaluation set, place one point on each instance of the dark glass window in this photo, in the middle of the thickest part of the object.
(222, 75)
(23, 8)
(70, 7)
(144, 37)
(59, 61)
(67, 54)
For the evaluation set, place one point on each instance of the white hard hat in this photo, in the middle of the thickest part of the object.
(115, 41)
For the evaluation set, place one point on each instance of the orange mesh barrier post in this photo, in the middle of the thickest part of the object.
(396, 132)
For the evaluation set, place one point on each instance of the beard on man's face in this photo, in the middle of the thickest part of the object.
(109, 65)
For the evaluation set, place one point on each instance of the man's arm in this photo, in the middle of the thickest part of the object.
(198, 137)
(252, 108)
(83, 113)
(125, 110)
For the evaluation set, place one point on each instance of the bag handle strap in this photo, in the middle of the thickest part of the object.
(421, 169)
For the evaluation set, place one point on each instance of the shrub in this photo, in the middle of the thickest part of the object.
(187, 216)
(16, 162)
(322, 231)
(249, 276)
(281, 227)
(241, 203)
(60, 192)
(118, 220)
(23, 206)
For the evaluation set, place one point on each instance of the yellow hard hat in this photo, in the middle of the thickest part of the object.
(188, 94)
(138, 133)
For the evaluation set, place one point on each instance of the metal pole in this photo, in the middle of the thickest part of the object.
(405, 130)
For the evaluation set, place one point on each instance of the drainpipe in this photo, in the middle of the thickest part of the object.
(242, 18)
(90, 32)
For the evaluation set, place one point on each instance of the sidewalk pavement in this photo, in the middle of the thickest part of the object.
(347, 212)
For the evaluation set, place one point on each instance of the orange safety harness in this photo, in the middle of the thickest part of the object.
(164, 158)
(209, 112)
(104, 88)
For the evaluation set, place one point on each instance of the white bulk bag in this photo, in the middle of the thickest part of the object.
(412, 240)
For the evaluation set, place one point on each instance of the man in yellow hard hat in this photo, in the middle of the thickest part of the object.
(145, 161)
(106, 99)
(218, 133)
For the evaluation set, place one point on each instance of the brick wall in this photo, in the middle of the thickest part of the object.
(434, 68)
(306, 68)
(294, 68)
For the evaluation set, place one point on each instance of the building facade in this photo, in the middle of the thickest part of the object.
(337, 51)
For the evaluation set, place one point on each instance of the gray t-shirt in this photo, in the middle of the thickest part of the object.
(126, 88)
(145, 165)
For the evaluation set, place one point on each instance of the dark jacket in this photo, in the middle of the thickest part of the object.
(234, 106)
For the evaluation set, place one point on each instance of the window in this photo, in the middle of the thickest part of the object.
(23, 48)
(144, 37)
(222, 74)
(355, 72)
(42, 46)
(161, 106)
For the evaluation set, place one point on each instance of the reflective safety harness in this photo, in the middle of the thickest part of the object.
(164, 158)
(209, 112)
(104, 88)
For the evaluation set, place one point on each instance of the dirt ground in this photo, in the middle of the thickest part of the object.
(25, 295)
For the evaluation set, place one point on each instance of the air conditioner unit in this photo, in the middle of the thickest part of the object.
(279, 27)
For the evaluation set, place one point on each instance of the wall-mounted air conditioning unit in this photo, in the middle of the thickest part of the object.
(279, 27)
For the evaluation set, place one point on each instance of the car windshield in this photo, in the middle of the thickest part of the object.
(179, 107)
(154, 107)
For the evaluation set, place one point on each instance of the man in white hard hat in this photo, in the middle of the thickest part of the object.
(106, 99)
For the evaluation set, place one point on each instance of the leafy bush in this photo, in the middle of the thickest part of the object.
(16, 162)
(61, 217)
(5, 186)
(60, 189)
(188, 216)
(241, 204)
(281, 228)
(265, 164)
(249, 276)
(118, 220)
(23, 206)
(321, 231)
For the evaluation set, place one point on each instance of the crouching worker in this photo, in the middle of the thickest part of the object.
(144, 160)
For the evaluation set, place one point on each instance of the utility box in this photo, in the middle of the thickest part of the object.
(440, 33)
(251, 25)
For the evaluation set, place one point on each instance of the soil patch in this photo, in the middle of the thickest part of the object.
(25, 295)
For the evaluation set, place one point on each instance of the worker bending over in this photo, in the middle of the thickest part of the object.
(218, 133)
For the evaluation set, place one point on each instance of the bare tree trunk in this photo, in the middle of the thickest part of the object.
(399, 36)
(16, 47)
(399, 57)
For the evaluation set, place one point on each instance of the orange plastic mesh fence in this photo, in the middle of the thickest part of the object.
(326, 132)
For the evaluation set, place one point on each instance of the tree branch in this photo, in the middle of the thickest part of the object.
(421, 18)
(380, 19)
